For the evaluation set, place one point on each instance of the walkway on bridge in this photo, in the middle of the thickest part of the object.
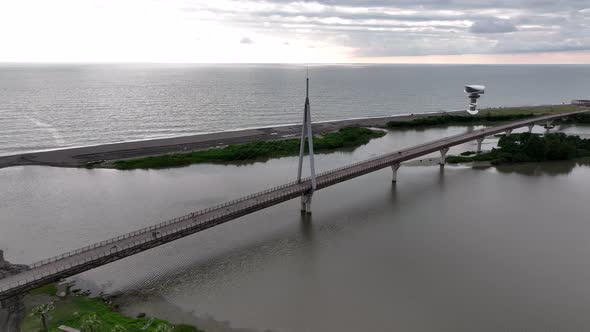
(84, 259)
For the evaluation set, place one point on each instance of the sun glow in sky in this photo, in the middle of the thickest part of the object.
(282, 31)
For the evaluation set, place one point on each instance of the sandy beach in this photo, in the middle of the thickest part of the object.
(81, 156)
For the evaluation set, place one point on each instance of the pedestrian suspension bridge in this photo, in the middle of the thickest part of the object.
(105, 252)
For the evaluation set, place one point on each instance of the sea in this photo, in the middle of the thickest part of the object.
(51, 106)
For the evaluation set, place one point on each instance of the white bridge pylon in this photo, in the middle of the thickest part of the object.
(306, 132)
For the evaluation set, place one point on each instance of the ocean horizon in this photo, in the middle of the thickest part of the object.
(53, 106)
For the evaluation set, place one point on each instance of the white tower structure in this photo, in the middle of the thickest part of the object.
(306, 133)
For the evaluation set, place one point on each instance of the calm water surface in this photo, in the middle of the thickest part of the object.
(56, 106)
(458, 249)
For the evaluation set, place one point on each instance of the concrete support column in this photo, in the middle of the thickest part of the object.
(479, 141)
(306, 204)
(508, 132)
(394, 168)
(62, 288)
(443, 156)
(531, 126)
(548, 124)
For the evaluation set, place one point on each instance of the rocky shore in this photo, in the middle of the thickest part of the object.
(11, 310)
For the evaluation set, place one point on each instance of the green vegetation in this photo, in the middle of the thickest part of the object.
(583, 118)
(528, 147)
(42, 311)
(490, 116)
(89, 314)
(49, 289)
(536, 110)
(449, 119)
(343, 138)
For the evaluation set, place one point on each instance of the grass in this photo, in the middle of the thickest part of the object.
(490, 116)
(49, 289)
(343, 138)
(449, 119)
(527, 147)
(72, 309)
(535, 110)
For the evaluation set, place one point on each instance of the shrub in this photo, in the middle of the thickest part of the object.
(343, 138)
(528, 147)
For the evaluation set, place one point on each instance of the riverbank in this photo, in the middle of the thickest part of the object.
(491, 116)
(93, 155)
(82, 156)
(11, 310)
(527, 147)
(74, 309)
(350, 137)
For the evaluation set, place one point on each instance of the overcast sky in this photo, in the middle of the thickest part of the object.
(276, 31)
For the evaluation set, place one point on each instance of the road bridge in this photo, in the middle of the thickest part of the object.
(105, 252)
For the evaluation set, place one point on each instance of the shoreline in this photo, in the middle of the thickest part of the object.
(72, 306)
(12, 311)
(87, 155)
(80, 156)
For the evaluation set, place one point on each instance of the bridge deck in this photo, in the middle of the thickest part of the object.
(104, 252)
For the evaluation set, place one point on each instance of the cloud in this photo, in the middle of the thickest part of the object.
(492, 25)
(339, 29)
(380, 28)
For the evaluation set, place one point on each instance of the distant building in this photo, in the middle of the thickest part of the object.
(581, 102)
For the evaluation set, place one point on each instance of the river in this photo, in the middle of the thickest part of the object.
(453, 249)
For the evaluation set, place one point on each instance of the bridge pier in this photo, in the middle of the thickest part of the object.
(443, 156)
(549, 125)
(531, 126)
(306, 204)
(62, 288)
(479, 141)
(394, 168)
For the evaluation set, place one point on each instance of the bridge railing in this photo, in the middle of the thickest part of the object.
(347, 169)
(213, 208)
(344, 170)
(43, 273)
(160, 225)
(217, 207)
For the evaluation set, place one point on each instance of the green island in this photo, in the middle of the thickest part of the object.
(527, 147)
(489, 116)
(343, 138)
(349, 137)
(87, 314)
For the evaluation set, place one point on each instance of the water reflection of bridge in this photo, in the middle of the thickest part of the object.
(98, 254)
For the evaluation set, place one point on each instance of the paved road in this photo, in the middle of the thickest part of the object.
(102, 253)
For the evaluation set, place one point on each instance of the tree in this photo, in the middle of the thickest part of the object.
(43, 311)
(509, 143)
(90, 323)
(535, 148)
